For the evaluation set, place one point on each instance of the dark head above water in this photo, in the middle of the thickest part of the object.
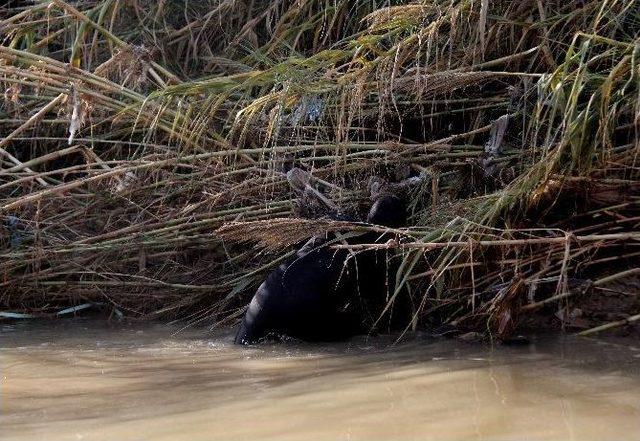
(321, 294)
(388, 211)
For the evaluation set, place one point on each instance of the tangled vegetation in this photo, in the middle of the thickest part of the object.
(145, 148)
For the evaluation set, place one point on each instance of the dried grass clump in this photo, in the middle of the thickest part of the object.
(147, 150)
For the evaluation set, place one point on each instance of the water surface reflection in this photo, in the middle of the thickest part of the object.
(95, 381)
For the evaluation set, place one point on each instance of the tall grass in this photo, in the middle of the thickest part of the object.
(145, 148)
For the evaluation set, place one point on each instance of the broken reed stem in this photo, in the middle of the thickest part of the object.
(137, 283)
(40, 160)
(490, 243)
(611, 325)
(31, 121)
(60, 189)
(583, 289)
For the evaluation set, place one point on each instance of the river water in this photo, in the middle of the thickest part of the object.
(90, 380)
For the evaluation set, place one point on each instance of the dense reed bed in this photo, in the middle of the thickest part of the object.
(145, 149)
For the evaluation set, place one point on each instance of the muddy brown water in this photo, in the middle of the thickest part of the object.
(90, 380)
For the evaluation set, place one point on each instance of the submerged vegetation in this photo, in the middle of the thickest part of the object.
(145, 148)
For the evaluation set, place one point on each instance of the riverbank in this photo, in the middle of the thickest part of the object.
(145, 149)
